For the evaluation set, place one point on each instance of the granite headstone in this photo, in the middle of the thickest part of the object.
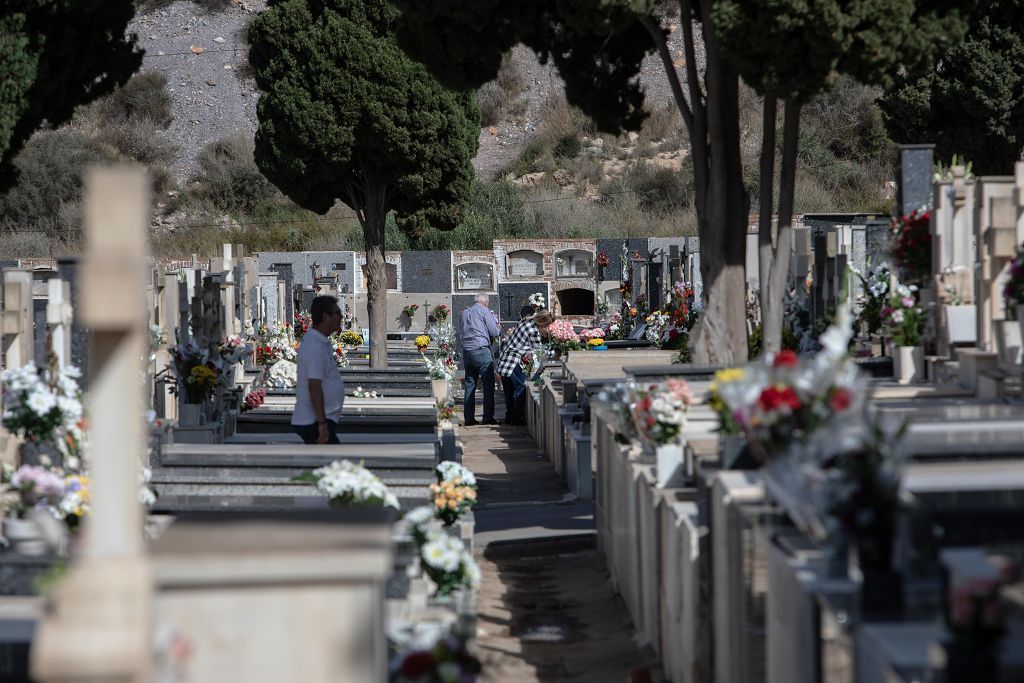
(612, 248)
(512, 296)
(914, 178)
(426, 272)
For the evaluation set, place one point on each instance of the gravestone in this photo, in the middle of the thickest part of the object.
(613, 250)
(512, 296)
(474, 277)
(41, 348)
(524, 263)
(426, 272)
(286, 274)
(68, 271)
(268, 291)
(914, 174)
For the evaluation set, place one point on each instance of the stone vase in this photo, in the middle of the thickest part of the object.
(25, 536)
(669, 464)
(189, 414)
(908, 364)
(440, 389)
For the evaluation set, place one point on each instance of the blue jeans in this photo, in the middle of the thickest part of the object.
(514, 386)
(479, 368)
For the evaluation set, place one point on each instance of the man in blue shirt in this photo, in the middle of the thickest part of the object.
(478, 328)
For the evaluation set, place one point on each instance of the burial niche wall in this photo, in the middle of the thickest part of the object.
(390, 270)
(575, 301)
(474, 277)
(524, 263)
(574, 263)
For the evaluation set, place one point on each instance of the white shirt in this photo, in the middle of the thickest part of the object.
(316, 361)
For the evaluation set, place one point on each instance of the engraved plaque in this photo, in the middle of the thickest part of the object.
(525, 263)
(474, 276)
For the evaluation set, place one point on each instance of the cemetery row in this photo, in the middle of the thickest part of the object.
(814, 515)
(175, 546)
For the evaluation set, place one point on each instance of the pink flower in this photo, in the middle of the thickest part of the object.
(907, 301)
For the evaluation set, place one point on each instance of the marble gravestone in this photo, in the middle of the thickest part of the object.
(41, 352)
(524, 263)
(286, 274)
(914, 175)
(613, 250)
(426, 272)
(512, 296)
(67, 270)
(474, 277)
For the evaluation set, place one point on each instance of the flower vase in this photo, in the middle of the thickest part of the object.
(968, 665)
(670, 469)
(908, 364)
(188, 414)
(43, 453)
(25, 536)
(440, 389)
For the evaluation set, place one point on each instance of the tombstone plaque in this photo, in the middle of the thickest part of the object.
(525, 263)
(474, 277)
(574, 263)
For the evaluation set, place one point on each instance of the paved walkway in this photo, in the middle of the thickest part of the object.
(546, 609)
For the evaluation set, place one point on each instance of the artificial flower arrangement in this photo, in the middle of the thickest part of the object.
(782, 398)
(283, 374)
(441, 366)
(31, 487)
(440, 313)
(422, 342)
(445, 410)
(410, 310)
(446, 659)
(911, 245)
(602, 259)
(903, 317)
(351, 338)
(1013, 290)
(727, 424)
(872, 301)
(613, 328)
(454, 492)
(44, 408)
(563, 336)
(619, 398)
(595, 343)
(359, 392)
(659, 410)
(232, 350)
(444, 337)
(536, 300)
(592, 333)
(301, 322)
(338, 347)
(447, 563)
(254, 399)
(346, 484)
(275, 342)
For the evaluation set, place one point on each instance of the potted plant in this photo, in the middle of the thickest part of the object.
(659, 415)
(905, 320)
(441, 369)
(351, 339)
(422, 342)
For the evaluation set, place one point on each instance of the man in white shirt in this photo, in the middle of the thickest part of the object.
(319, 389)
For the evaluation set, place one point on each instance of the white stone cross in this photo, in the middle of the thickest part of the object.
(59, 318)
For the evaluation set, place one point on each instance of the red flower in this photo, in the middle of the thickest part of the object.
(839, 399)
(777, 397)
(417, 664)
(785, 359)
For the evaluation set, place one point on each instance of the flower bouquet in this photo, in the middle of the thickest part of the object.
(359, 392)
(875, 286)
(911, 245)
(447, 659)
(563, 336)
(410, 310)
(351, 338)
(903, 317)
(254, 399)
(445, 411)
(232, 350)
(445, 560)
(31, 487)
(422, 342)
(275, 342)
(440, 367)
(348, 484)
(592, 333)
(659, 411)
(44, 410)
(536, 301)
(454, 492)
(602, 259)
(440, 313)
(301, 323)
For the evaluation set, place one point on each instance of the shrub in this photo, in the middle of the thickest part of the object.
(499, 99)
(568, 146)
(49, 187)
(228, 177)
(491, 100)
(495, 211)
(144, 97)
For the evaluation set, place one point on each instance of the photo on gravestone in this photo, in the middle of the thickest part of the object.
(426, 272)
(525, 263)
(512, 296)
(474, 277)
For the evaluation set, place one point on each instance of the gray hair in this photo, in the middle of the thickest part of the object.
(484, 299)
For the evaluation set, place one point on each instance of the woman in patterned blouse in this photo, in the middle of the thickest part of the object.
(524, 340)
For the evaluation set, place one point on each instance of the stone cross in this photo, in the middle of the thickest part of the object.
(17, 318)
(59, 318)
(100, 628)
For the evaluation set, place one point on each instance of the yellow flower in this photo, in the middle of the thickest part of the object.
(422, 341)
(729, 375)
(452, 504)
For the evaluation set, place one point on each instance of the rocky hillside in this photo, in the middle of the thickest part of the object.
(203, 54)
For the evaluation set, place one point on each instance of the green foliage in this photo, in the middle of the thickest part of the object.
(228, 178)
(495, 212)
(346, 115)
(972, 102)
(54, 56)
(568, 146)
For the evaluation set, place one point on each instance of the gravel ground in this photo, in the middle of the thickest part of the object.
(213, 97)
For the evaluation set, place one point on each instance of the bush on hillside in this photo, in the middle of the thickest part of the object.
(228, 177)
(144, 97)
(569, 146)
(495, 212)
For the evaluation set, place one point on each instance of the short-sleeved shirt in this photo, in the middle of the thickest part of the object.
(525, 339)
(316, 361)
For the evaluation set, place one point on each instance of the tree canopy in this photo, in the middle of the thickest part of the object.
(54, 56)
(346, 115)
(971, 101)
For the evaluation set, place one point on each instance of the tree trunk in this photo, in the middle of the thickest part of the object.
(374, 215)
(721, 335)
(765, 236)
(775, 278)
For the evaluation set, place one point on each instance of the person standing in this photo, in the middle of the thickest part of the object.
(524, 340)
(478, 328)
(319, 388)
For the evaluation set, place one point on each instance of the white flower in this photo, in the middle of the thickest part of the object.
(41, 402)
(439, 554)
(420, 516)
(471, 569)
(896, 316)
